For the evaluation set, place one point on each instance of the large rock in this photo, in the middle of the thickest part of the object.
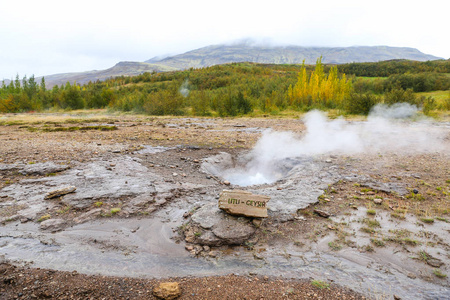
(167, 290)
(242, 203)
(211, 226)
(43, 168)
(53, 225)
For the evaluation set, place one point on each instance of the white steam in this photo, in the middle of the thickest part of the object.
(184, 88)
(382, 132)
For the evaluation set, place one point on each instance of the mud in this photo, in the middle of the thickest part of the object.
(130, 206)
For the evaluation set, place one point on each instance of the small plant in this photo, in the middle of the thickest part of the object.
(367, 230)
(411, 242)
(31, 162)
(320, 284)
(371, 212)
(427, 220)
(334, 246)
(377, 243)
(198, 233)
(439, 274)
(368, 248)
(442, 219)
(51, 174)
(424, 256)
(64, 210)
(98, 203)
(44, 217)
(371, 223)
(115, 210)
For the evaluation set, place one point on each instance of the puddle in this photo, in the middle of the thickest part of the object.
(144, 248)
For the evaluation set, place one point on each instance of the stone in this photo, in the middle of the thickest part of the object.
(233, 232)
(207, 216)
(167, 290)
(322, 213)
(60, 192)
(377, 201)
(43, 168)
(53, 225)
(88, 215)
(434, 262)
(243, 203)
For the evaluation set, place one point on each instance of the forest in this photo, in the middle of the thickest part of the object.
(245, 89)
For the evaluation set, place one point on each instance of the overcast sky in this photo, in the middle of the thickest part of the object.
(44, 37)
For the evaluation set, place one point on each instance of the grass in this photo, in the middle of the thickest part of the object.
(73, 128)
(371, 212)
(44, 217)
(98, 204)
(427, 220)
(439, 273)
(377, 243)
(334, 246)
(371, 223)
(367, 230)
(115, 210)
(63, 210)
(320, 284)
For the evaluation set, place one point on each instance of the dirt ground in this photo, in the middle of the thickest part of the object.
(359, 217)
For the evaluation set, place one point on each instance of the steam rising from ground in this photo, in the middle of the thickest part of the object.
(385, 130)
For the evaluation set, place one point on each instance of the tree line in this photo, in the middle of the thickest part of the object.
(239, 89)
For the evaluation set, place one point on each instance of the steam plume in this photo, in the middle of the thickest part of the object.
(382, 132)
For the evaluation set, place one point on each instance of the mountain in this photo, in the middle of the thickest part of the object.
(221, 54)
(126, 68)
(244, 52)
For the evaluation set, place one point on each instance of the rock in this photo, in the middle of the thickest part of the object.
(233, 232)
(243, 203)
(226, 182)
(257, 222)
(88, 215)
(377, 201)
(415, 191)
(43, 168)
(210, 226)
(167, 290)
(60, 192)
(207, 216)
(434, 262)
(53, 225)
(322, 213)
(209, 238)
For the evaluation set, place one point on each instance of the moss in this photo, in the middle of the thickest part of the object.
(44, 217)
(320, 284)
(115, 210)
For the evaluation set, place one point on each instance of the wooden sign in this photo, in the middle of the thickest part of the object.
(243, 203)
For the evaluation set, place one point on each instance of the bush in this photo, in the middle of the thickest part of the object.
(399, 95)
(360, 103)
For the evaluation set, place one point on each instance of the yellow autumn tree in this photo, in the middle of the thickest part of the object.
(319, 89)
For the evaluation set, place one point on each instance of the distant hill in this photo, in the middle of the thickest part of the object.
(120, 69)
(221, 54)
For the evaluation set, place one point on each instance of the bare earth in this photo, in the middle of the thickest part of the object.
(387, 215)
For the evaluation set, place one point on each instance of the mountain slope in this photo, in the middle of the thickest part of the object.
(221, 54)
(120, 69)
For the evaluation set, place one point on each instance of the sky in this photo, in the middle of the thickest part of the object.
(47, 37)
